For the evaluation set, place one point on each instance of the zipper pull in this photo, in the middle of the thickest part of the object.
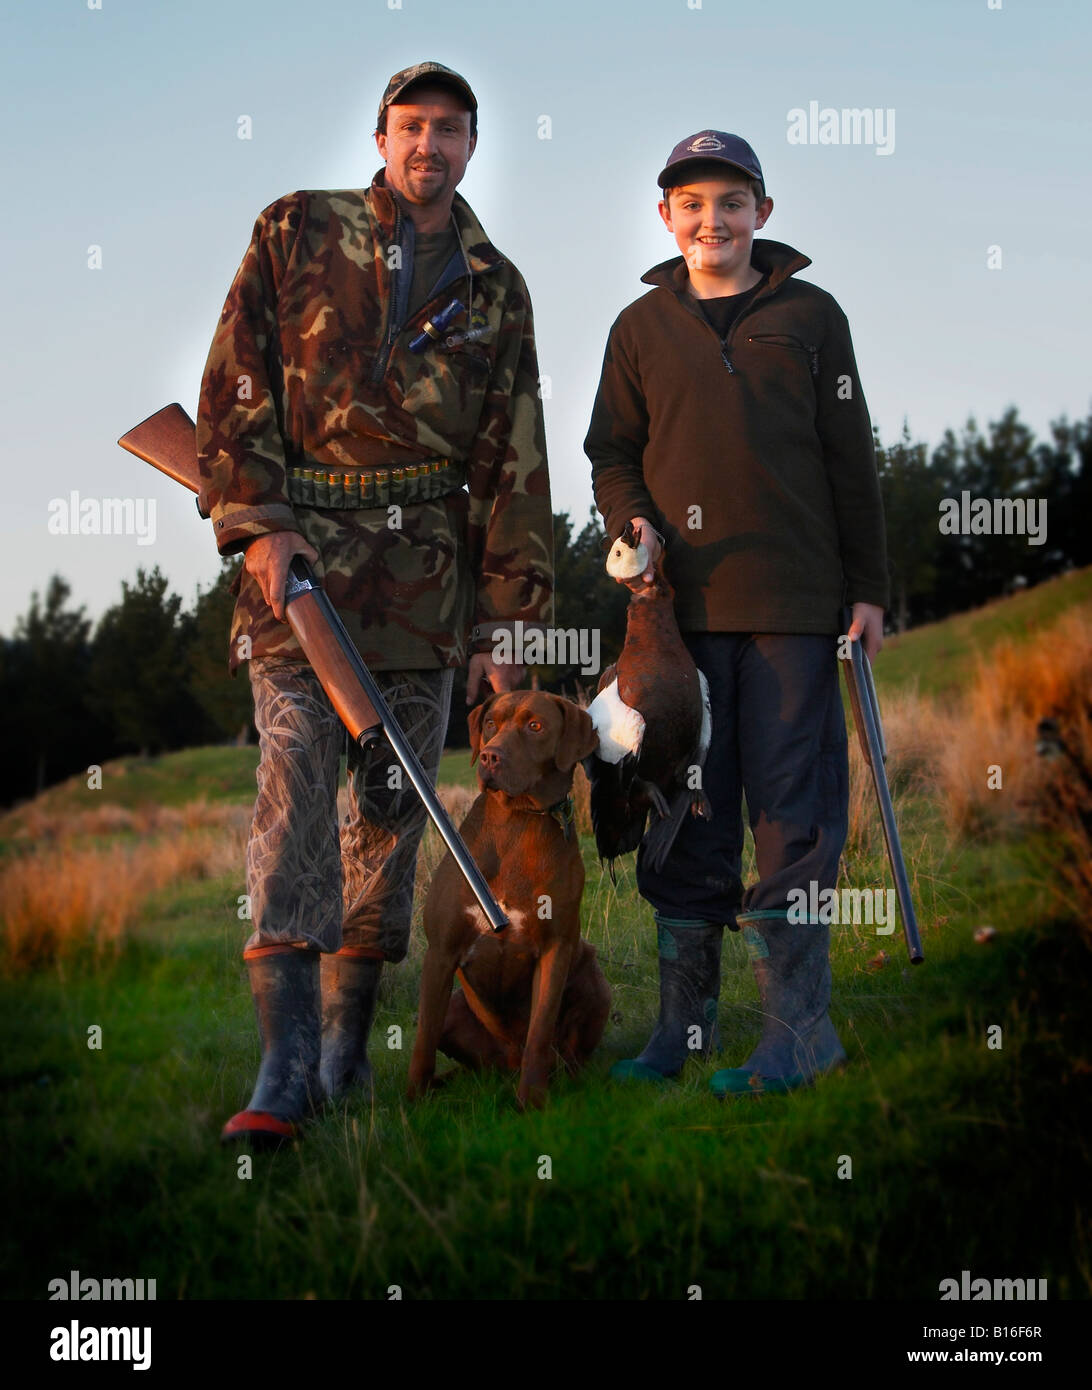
(726, 359)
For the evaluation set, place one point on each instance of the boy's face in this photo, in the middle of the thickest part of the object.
(714, 220)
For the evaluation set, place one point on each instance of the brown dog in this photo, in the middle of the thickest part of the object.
(535, 986)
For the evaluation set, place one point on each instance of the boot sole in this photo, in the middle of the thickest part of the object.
(632, 1070)
(259, 1128)
(735, 1082)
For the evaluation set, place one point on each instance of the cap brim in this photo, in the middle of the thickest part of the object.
(671, 175)
(433, 79)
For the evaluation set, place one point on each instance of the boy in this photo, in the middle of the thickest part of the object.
(731, 429)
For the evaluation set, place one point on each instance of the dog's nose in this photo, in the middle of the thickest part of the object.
(490, 759)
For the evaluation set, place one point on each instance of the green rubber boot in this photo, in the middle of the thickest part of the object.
(791, 963)
(284, 981)
(689, 988)
(350, 985)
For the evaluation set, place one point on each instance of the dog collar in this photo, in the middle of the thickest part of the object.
(563, 812)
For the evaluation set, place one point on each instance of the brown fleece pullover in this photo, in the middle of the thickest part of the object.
(753, 455)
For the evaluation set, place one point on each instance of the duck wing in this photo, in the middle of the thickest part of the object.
(685, 799)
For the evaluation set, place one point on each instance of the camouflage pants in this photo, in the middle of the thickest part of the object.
(309, 882)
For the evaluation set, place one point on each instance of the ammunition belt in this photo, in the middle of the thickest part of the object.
(379, 487)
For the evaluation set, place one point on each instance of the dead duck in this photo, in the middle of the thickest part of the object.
(652, 717)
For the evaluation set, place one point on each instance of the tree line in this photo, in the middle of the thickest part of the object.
(151, 675)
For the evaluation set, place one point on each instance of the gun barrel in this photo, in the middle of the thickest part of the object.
(303, 589)
(167, 441)
(866, 718)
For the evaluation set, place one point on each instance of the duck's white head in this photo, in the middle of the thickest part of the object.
(627, 561)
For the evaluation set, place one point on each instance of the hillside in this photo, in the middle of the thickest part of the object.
(939, 659)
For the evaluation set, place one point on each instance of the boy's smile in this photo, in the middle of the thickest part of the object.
(714, 221)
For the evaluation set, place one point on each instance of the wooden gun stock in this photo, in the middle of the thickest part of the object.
(167, 440)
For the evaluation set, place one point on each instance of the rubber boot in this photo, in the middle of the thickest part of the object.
(350, 983)
(689, 988)
(285, 983)
(791, 963)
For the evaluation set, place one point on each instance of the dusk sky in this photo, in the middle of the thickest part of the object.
(121, 132)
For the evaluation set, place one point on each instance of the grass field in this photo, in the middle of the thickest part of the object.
(962, 1155)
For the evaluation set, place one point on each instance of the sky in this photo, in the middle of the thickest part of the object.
(956, 244)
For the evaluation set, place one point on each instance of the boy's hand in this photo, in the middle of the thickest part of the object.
(868, 619)
(649, 537)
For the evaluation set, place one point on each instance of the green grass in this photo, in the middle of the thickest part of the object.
(963, 1156)
(456, 770)
(940, 658)
(217, 774)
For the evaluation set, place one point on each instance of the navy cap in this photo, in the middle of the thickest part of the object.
(711, 147)
(427, 72)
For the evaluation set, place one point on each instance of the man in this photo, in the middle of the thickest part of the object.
(405, 458)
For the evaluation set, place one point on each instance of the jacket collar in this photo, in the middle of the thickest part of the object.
(480, 252)
(770, 257)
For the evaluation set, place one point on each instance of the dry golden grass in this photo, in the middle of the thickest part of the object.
(42, 826)
(56, 898)
(57, 893)
(948, 753)
(1015, 687)
(952, 752)
(582, 801)
(1066, 811)
(456, 801)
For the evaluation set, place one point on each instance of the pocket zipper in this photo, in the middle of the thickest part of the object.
(791, 345)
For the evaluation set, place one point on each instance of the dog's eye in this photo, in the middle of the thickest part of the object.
(534, 726)
(490, 723)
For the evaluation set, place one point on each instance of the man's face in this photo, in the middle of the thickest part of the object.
(427, 146)
(714, 221)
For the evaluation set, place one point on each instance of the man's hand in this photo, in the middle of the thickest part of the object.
(649, 537)
(484, 670)
(868, 619)
(267, 559)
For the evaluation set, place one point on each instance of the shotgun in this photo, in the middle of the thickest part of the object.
(869, 726)
(167, 440)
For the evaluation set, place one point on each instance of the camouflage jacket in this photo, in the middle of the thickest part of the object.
(310, 368)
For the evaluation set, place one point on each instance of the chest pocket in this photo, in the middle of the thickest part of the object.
(468, 357)
(447, 392)
(784, 342)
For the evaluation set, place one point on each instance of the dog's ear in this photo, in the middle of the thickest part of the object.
(578, 737)
(474, 724)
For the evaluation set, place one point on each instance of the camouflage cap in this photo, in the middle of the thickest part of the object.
(433, 72)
